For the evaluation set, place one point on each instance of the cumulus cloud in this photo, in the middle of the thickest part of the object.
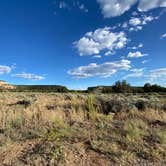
(5, 69)
(137, 28)
(101, 70)
(147, 19)
(101, 39)
(136, 54)
(135, 73)
(135, 21)
(113, 8)
(29, 76)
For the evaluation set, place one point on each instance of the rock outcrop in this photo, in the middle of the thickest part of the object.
(5, 85)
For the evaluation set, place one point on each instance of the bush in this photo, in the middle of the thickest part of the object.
(141, 105)
(112, 106)
(134, 129)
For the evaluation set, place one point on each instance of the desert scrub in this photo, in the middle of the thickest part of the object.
(92, 111)
(91, 104)
(104, 121)
(135, 129)
(57, 152)
(59, 131)
(107, 126)
(113, 105)
(42, 153)
(17, 123)
(159, 136)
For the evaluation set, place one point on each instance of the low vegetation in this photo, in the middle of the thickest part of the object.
(82, 129)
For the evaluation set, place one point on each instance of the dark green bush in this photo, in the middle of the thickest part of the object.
(141, 105)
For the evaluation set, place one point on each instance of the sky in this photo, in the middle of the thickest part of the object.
(83, 43)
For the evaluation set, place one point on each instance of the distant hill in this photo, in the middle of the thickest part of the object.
(118, 87)
(41, 88)
(6, 86)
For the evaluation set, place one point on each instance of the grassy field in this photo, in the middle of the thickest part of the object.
(71, 129)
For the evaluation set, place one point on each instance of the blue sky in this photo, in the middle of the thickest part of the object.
(82, 43)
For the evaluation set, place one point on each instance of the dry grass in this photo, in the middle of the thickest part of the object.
(81, 129)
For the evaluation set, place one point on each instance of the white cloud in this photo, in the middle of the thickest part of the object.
(146, 5)
(144, 61)
(29, 76)
(153, 76)
(101, 39)
(109, 53)
(97, 56)
(113, 8)
(140, 45)
(136, 47)
(5, 69)
(135, 73)
(101, 70)
(124, 25)
(163, 36)
(135, 21)
(158, 74)
(136, 54)
(69, 5)
(147, 19)
(137, 28)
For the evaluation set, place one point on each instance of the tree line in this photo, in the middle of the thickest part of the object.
(124, 87)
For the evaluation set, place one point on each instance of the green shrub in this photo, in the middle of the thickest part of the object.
(159, 136)
(135, 129)
(141, 105)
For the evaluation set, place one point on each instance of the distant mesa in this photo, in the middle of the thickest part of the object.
(5, 85)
